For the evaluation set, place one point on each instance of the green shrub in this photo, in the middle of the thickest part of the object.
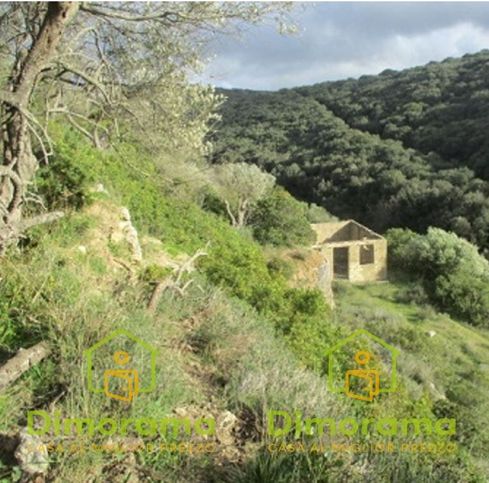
(64, 182)
(401, 256)
(454, 275)
(280, 219)
(214, 204)
(154, 273)
(467, 296)
(318, 214)
(412, 294)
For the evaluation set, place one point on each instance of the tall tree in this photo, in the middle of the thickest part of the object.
(19, 163)
(94, 62)
(241, 186)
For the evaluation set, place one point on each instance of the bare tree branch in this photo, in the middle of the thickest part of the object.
(128, 16)
(86, 77)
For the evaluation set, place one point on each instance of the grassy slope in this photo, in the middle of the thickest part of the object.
(464, 344)
(212, 344)
(214, 353)
(453, 364)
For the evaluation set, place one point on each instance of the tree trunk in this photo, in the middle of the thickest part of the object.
(19, 163)
(242, 213)
(230, 213)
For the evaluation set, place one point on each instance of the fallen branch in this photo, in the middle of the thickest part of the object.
(174, 282)
(22, 362)
(123, 264)
(39, 220)
(160, 287)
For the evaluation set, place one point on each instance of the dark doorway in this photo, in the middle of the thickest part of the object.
(340, 262)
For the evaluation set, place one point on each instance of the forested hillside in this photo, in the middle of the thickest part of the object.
(402, 148)
(441, 107)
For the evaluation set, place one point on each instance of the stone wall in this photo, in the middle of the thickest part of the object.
(372, 271)
(311, 270)
(324, 231)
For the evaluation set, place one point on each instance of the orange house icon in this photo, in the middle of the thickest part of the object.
(122, 381)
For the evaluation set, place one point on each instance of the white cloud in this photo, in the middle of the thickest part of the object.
(343, 40)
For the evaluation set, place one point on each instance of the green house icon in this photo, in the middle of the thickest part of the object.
(130, 377)
(359, 335)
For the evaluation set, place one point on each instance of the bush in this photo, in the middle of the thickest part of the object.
(454, 274)
(401, 255)
(467, 296)
(212, 203)
(318, 214)
(281, 220)
(277, 265)
(65, 181)
(412, 294)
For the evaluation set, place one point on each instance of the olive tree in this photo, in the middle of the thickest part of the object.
(241, 186)
(97, 64)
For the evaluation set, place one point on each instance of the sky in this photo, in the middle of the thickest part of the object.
(342, 40)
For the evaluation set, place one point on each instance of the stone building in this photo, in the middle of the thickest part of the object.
(352, 251)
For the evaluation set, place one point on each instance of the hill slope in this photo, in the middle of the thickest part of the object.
(441, 107)
(399, 149)
(233, 344)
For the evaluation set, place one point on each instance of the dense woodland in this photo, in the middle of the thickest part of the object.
(400, 149)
